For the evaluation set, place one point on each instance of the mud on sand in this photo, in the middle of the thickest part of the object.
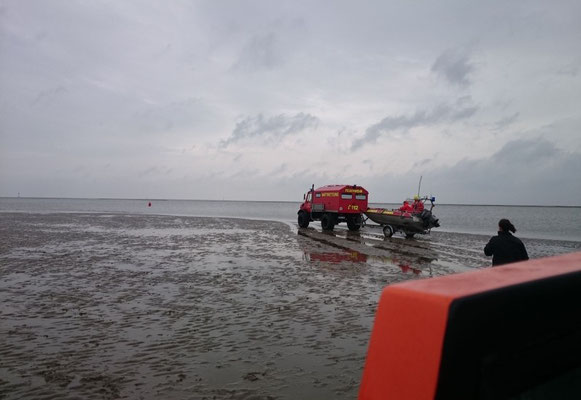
(109, 306)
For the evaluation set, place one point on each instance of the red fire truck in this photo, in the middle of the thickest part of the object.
(333, 204)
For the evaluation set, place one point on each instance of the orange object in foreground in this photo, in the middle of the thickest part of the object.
(495, 333)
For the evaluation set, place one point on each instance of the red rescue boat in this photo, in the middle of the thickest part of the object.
(408, 222)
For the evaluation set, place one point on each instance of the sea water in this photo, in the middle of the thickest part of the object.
(538, 222)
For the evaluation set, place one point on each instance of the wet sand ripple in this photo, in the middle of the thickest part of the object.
(103, 306)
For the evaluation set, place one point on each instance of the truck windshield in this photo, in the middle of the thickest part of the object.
(346, 196)
(360, 196)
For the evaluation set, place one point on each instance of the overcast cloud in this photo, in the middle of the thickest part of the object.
(259, 99)
(270, 130)
(454, 66)
(442, 113)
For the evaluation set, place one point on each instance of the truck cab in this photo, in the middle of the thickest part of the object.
(333, 204)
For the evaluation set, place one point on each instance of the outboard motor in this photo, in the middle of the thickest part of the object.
(435, 222)
(430, 221)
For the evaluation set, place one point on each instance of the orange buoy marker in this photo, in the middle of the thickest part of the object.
(506, 332)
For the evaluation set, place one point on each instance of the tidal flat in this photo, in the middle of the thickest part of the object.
(107, 306)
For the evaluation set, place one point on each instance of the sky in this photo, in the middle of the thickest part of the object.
(258, 100)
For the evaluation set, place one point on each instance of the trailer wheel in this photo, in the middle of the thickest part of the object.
(303, 219)
(327, 222)
(354, 223)
(388, 231)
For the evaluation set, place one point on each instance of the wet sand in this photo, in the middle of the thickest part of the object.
(103, 306)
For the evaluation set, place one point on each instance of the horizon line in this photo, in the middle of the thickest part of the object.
(280, 201)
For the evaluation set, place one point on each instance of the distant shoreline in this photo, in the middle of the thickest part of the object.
(440, 231)
(281, 201)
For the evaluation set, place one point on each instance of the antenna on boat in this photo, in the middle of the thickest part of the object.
(420, 185)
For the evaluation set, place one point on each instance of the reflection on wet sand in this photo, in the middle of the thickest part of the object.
(347, 256)
(355, 256)
(410, 256)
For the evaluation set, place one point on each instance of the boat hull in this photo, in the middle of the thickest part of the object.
(403, 221)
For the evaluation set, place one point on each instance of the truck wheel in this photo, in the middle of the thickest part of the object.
(388, 231)
(409, 235)
(354, 223)
(327, 222)
(303, 219)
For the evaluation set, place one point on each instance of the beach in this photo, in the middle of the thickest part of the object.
(112, 305)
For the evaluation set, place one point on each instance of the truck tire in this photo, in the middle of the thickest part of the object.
(409, 235)
(354, 222)
(303, 219)
(327, 222)
(388, 231)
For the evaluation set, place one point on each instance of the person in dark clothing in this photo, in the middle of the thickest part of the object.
(505, 248)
